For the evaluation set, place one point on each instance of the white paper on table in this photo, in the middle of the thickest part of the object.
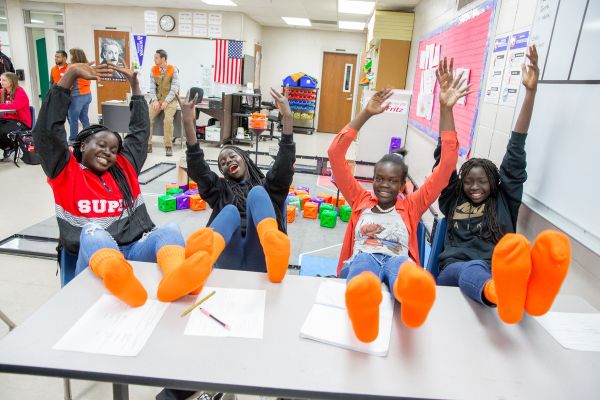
(328, 321)
(465, 75)
(242, 309)
(575, 331)
(112, 327)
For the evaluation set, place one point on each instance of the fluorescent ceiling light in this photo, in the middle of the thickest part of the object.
(37, 21)
(296, 21)
(357, 26)
(355, 7)
(227, 3)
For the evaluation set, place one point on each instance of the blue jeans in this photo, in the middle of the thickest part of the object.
(469, 276)
(385, 267)
(94, 238)
(78, 111)
(243, 252)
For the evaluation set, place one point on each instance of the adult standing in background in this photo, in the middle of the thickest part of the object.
(60, 58)
(164, 85)
(81, 97)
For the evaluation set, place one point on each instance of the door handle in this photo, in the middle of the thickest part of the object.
(100, 85)
(348, 98)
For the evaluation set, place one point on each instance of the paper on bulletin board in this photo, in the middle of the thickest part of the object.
(512, 73)
(423, 60)
(200, 18)
(215, 19)
(151, 15)
(185, 17)
(436, 56)
(150, 27)
(215, 31)
(496, 72)
(428, 79)
(185, 29)
(200, 30)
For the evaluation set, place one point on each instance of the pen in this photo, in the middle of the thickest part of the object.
(205, 312)
(189, 309)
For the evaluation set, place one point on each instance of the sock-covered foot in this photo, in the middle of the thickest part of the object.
(118, 277)
(363, 296)
(181, 275)
(489, 292)
(217, 245)
(550, 259)
(511, 266)
(415, 291)
(276, 246)
(200, 240)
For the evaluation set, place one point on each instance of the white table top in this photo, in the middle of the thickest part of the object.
(462, 351)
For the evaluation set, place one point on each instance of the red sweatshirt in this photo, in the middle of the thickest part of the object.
(20, 102)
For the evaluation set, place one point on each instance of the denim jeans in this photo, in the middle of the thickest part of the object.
(94, 238)
(243, 252)
(78, 111)
(385, 267)
(469, 276)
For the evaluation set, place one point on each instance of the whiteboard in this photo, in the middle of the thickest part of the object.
(563, 145)
(194, 58)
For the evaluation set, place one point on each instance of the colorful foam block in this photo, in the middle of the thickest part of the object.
(324, 207)
(174, 191)
(196, 203)
(191, 192)
(303, 188)
(327, 197)
(328, 218)
(291, 214)
(340, 201)
(182, 202)
(291, 193)
(301, 192)
(295, 201)
(183, 187)
(345, 212)
(171, 185)
(317, 200)
(310, 210)
(193, 185)
(167, 203)
(303, 199)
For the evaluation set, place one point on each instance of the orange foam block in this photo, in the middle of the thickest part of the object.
(171, 186)
(192, 185)
(291, 214)
(340, 202)
(196, 203)
(310, 210)
(303, 199)
(327, 197)
(301, 193)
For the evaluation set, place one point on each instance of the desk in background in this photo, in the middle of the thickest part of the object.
(463, 351)
(229, 125)
(116, 114)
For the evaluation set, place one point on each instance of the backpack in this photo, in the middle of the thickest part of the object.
(26, 147)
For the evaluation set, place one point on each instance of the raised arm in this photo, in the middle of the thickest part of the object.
(450, 92)
(342, 173)
(135, 144)
(280, 176)
(49, 133)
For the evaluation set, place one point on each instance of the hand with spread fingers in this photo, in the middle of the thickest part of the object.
(530, 73)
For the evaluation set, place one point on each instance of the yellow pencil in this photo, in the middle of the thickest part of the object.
(189, 309)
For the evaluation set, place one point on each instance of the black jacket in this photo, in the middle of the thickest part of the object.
(466, 243)
(5, 64)
(215, 191)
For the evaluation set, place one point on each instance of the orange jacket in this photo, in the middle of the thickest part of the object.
(411, 208)
(56, 73)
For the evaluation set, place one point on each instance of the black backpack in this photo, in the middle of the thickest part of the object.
(25, 148)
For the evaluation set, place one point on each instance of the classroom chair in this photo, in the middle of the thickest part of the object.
(32, 110)
(437, 245)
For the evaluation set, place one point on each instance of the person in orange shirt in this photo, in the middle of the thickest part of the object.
(60, 58)
(81, 97)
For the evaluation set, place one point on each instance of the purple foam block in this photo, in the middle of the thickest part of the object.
(395, 144)
(182, 201)
(183, 187)
(307, 190)
(318, 200)
(191, 192)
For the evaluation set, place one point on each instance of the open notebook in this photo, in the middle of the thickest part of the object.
(328, 321)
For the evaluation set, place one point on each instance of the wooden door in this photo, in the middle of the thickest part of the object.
(337, 88)
(112, 47)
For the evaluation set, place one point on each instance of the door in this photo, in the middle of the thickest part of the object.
(112, 47)
(337, 88)
(42, 65)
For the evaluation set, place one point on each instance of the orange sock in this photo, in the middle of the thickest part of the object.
(218, 245)
(489, 292)
(181, 275)
(363, 296)
(118, 277)
(511, 266)
(550, 259)
(201, 240)
(276, 246)
(415, 291)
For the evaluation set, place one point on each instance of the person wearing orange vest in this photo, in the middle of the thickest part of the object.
(60, 58)
(164, 85)
(81, 97)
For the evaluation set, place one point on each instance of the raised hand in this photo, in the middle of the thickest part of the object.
(131, 76)
(531, 73)
(90, 72)
(377, 104)
(451, 91)
(445, 71)
(188, 108)
(282, 103)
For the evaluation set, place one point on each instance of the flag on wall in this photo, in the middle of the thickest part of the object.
(228, 61)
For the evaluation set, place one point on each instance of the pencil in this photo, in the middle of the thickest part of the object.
(205, 312)
(189, 309)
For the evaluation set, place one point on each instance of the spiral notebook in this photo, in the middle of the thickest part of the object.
(328, 321)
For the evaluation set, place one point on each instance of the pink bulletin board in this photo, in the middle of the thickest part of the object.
(467, 39)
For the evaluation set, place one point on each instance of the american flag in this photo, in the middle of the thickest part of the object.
(228, 61)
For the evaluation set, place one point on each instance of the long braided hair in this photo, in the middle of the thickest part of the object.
(256, 178)
(490, 220)
(115, 171)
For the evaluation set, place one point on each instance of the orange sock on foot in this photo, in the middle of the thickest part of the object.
(415, 291)
(489, 292)
(201, 240)
(363, 296)
(181, 275)
(511, 266)
(118, 277)
(550, 259)
(276, 246)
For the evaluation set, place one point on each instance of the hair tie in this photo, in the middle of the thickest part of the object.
(399, 155)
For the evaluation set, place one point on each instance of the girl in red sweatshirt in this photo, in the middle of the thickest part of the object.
(12, 97)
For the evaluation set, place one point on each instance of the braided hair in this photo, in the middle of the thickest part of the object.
(397, 157)
(115, 171)
(490, 220)
(256, 178)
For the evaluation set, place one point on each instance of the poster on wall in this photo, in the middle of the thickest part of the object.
(113, 51)
(496, 71)
(512, 72)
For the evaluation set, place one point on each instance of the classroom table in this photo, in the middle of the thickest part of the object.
(463, 351)
(116, 115)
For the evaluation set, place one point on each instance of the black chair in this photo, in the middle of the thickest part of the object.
(275, 120)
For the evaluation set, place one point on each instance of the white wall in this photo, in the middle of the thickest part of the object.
(286, 51)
